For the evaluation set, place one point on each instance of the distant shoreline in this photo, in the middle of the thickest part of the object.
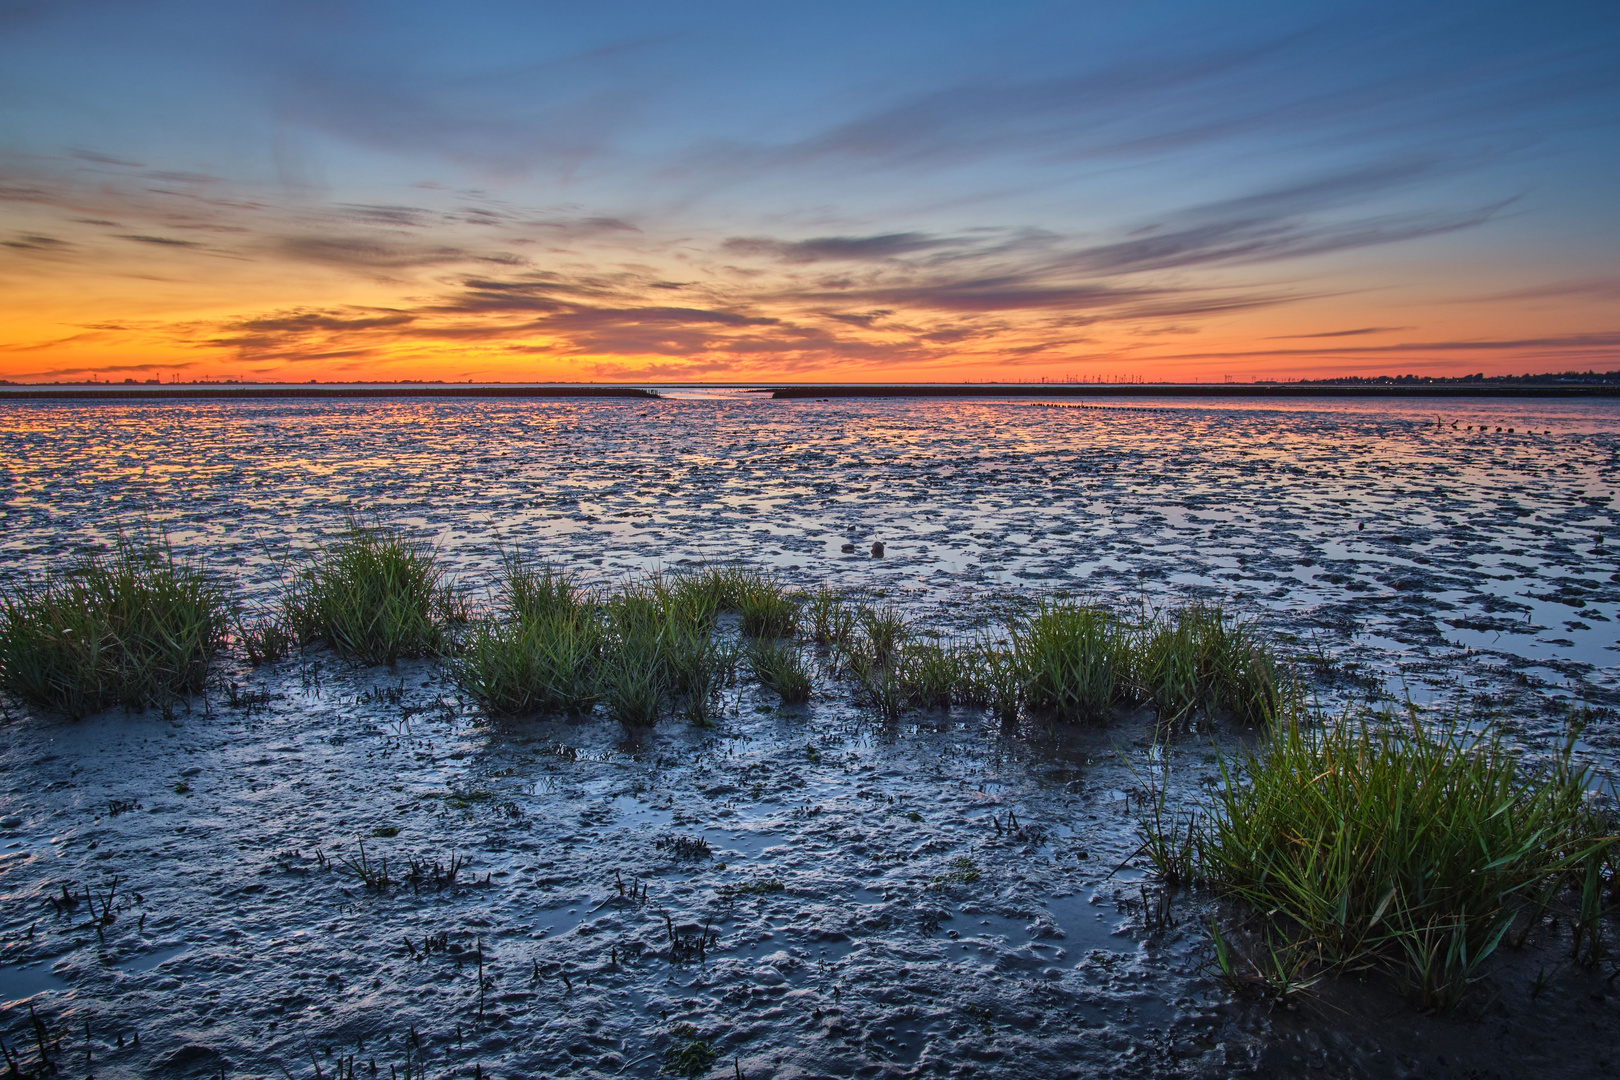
(164, 393)
(1243, 390)
(174, 392)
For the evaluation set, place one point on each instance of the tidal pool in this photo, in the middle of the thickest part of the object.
(868, 907)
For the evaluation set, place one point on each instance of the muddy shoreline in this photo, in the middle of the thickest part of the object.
(1192, 390)
(842, 935)
(252, 393)
(837, 929)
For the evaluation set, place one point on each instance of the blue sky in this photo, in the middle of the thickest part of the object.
(918, 189)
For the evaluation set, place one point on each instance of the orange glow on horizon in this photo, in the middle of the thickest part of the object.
(263, 295)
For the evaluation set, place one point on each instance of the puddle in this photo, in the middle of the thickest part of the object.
(148, 961)
(24, 981)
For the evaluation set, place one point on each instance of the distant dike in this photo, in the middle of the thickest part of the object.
(1208, 390)
(172, 392)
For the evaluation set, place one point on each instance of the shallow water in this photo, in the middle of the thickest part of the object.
(1420, 557)
(1357, 517)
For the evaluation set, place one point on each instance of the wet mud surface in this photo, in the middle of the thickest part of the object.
(938, 897)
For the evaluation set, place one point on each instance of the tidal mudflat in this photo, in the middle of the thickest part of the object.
(799, 889)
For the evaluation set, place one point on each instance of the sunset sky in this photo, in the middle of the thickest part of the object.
(820, 191)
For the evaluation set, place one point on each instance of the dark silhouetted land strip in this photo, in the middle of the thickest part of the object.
(1211, 390)
(170, 393)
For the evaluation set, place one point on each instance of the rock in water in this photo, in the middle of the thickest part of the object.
(877, 549)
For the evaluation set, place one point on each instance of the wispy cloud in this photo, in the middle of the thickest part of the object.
(1359, 332)
(35, 242)
(836, 248)
(1597, 288)
(368, 253)
(704, 191)
(160, 241)
(1604, 343)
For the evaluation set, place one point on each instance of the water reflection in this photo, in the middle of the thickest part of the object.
(1390, 519)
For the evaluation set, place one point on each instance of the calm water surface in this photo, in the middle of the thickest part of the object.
(1389, 524)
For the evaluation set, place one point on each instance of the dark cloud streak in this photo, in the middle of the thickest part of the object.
(161, 241)
(835, 248)
(1359, 332)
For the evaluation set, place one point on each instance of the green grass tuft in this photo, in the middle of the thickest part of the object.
(697, 597)
(1076, 660)
(930, 674)
(1406, 846)
(764, 605)
(698, 666)
(375, 596)
(779, 666)
(546, 664)
(831, 620)
(634, 676)
(881, 687)
(1199, 658)
(530, 592)
(266, 638)
(641, 649)
(637, 610)
(880, 631)
(133, 628)
(990, 675)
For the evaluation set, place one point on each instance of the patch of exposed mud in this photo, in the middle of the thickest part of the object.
(936, 898)
(872, 901)
(1387, 533)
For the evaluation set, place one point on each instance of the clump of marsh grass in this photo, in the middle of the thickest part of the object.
(779, 666)
(880, 632)
(880, 687)
(698, 666)
(530, 592)
(634, 675)
(763, 603)
(895, 671)
(540, 665)
(642, 649)
(662, 647)
(1075, 660)
(868, 648)
(541, 655)
(697, 597)
(637, 609)
(135, 627)
(1367, 843)
(265, 638)
(1198, 658)
(991, 676)
(930, 673)
(832, 623)
(375, 595)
